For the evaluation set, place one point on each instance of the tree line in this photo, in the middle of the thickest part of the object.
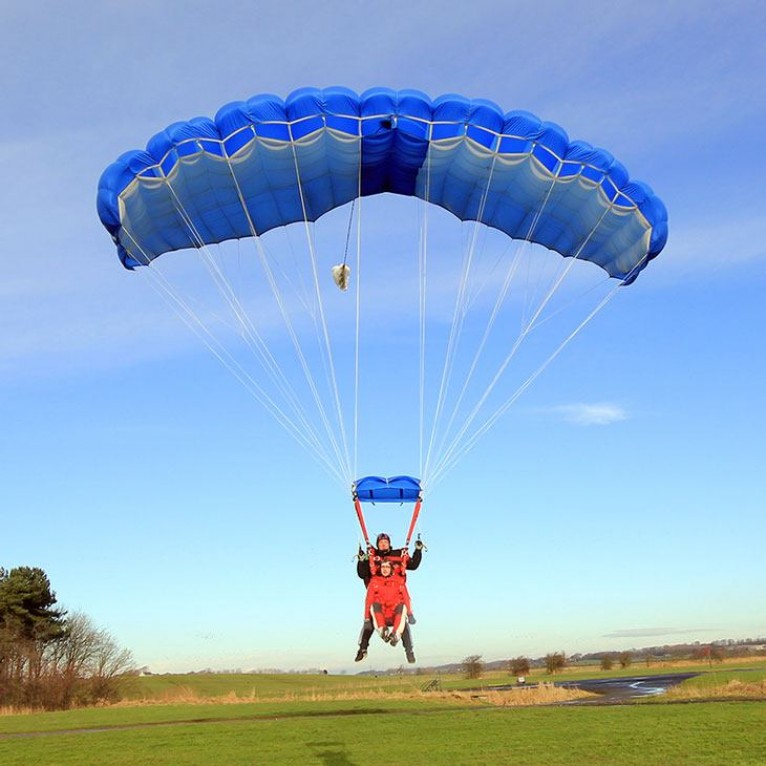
(51, 659)
(554, 662)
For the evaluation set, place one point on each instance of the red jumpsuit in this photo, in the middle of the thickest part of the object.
(400, 563)
(386, 603)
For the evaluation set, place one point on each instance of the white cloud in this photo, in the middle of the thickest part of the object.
(653, 632)
(582, 414)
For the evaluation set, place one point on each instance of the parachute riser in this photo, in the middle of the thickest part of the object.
(360, 516)
(363, 525)
(415, 514)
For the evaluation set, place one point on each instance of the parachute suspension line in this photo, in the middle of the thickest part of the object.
(186, 313)
(348, 231)
(357, 319)
(514, 348)
(455, 456)
(533, 228)
(249, 333)
(298, 350)
(526, 330)
(511, 273)
(288, 326)
(503, 294)
(308, 440)
(487, 275)
(422, 274)
(571, 301)
(330, 370)
(458, 317)
(300, 289)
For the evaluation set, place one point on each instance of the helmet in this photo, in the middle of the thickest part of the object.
(382, 536)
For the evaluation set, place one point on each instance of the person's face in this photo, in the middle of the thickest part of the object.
(383, 544)
(385, 569)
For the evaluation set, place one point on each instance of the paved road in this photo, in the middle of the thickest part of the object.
(613, 691)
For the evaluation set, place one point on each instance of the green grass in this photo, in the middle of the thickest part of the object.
(709, 734)
(114, 717)
(722, 675)
(303, 719)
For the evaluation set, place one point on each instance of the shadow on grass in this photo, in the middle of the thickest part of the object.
(331, 753)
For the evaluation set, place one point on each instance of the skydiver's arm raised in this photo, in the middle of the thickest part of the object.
(413, 562)
(363, 570)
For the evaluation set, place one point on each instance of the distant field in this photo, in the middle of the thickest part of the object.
(200, 686)
(261, 686)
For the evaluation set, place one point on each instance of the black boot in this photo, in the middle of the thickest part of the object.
(364, 640)
(407, 643)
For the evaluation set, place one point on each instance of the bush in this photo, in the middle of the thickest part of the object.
(519, 666)
(473, 667)
(555, 662)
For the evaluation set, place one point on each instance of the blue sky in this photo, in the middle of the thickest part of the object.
(619, 503)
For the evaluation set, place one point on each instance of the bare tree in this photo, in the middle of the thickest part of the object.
(519, 666)
(88, 662)
(473, 666)
(555, 662)
(710, 653)
(625, 659)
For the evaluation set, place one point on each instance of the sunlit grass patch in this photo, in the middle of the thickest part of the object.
(732, 689)
(256, 686)
(541, 694)
(11, 710)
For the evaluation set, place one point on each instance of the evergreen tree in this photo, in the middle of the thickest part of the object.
(27, 604)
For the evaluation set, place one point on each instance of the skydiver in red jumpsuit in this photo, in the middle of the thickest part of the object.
(367, 569)
(386, 603)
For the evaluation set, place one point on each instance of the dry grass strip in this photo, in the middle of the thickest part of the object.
(731, 690)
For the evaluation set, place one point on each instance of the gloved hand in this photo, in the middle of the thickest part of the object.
(419, 545)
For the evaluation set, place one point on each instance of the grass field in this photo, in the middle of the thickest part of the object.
(202, 686)
(261, 686)
(711, 734)
(347, 720)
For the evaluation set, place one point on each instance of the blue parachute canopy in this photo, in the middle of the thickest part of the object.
(397, 489)
(265, 163)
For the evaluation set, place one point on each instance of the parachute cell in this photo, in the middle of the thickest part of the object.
(265, 163)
